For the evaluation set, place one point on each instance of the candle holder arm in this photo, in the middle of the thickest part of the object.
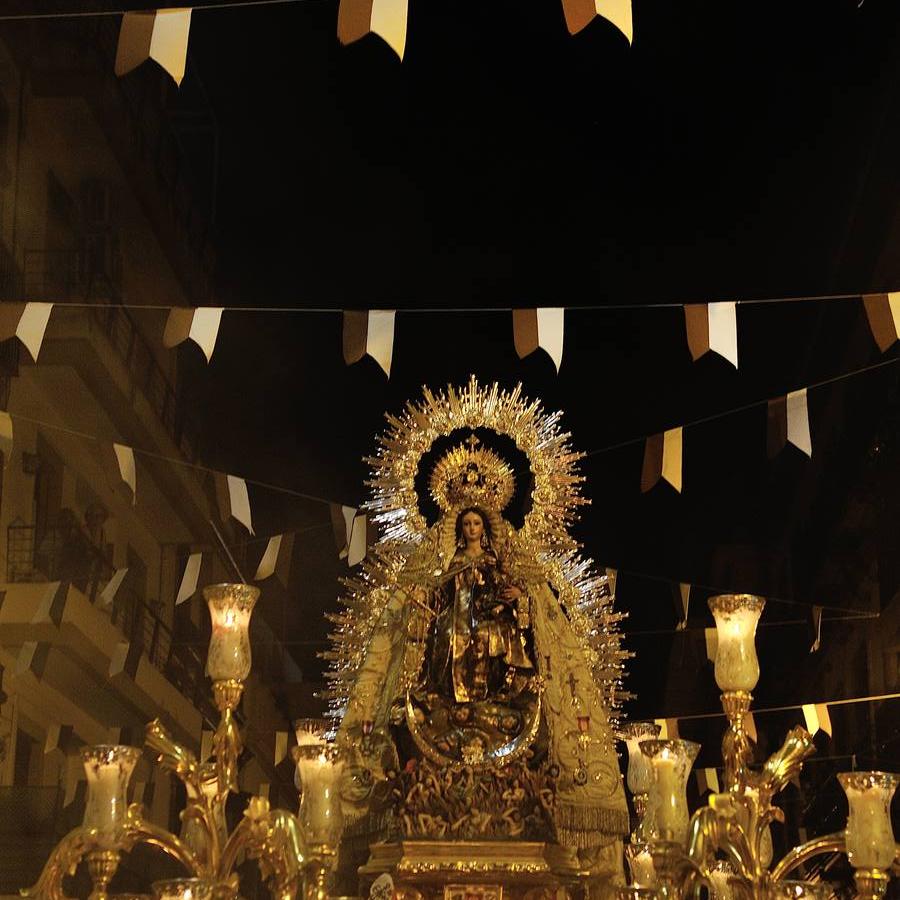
(274, 838)
(826, 843)
(139, 831)
(174, 758)
(786, 762)
(63, 861)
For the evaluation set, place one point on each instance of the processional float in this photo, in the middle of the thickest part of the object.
(475, 690)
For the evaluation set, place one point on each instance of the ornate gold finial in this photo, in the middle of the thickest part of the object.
(470, 474)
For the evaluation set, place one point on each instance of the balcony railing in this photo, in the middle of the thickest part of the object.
(56, 275)
(66, 554)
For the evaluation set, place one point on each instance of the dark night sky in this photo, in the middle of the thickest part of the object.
(736, 150)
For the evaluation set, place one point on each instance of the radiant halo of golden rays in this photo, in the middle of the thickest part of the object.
(585, 594)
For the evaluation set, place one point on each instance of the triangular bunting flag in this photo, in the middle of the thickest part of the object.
(281, 746)
(817, 718)
(712, 327)
(125, 459)
(817, 628)
(611, 576)
(883, 313)
(357, 543)
(189, 580)
(711, 635)
(663, 459)
(200, 325)
(580, 13)
(369, 333)
(798, 421)
(277, 559)
(108, 594)
(707, 780)
(27, 322)
(543, 327)
(668, 729)
(161, 36)
(239, 501)
(386, 18)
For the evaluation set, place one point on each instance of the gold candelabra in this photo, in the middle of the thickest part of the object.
(294, 852)
(726, 845)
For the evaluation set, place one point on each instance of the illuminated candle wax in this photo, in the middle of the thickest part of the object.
(311, 731)
(670, 763)
(182, 889)
(719, 878)
(800, 890)
(108, 770)
(638, 777)
(230, 608)
(736, 615)
(640, 863)
(320, 769)
(870, 839)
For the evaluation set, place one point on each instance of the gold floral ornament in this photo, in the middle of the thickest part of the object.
(471, 475)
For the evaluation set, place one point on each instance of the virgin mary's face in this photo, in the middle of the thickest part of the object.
(472, 527)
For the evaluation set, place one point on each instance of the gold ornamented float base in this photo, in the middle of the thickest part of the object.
(487, 870)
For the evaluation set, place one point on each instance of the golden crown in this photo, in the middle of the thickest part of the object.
(471, 475)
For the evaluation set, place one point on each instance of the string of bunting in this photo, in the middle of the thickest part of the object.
(162, 35)
(816, 716)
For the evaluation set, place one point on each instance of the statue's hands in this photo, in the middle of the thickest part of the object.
(511, 593)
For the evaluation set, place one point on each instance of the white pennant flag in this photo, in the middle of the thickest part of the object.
(817, 718)
(550, 326)
(32, 326)
(723, 330)
(161, 36)
(269, 559)
(190, 578)
(125, 458)
(380, 338)
(108, 594)
(200, 325)
(240, 501)
(356, 550)
(798, 421)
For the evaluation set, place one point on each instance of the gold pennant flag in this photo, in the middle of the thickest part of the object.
(668, 729)
(883, 313)
(580, 13)
(369, 332)
(281, 746)
(239, 501)
(611, 576)
(386, 18)
(161, 36)
(662, 460)
(824, 718)
(27, 322)
(201, 325)
(712, 643)
(707, 780)
(539, 328)
(358, 541)
(712, 327)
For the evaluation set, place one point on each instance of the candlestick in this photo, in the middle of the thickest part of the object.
(671, 763)
(736, 615)
(108, 770)
(870, 838)
(230, 608)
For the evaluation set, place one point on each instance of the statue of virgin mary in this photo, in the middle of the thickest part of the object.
(476, 667)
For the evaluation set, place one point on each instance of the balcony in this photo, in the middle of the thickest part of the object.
(57, 275)
(64, 554)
